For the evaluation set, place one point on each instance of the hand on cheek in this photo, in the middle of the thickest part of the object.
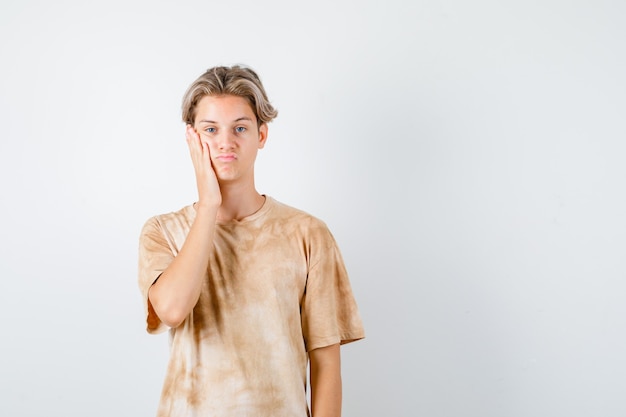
(208, 187)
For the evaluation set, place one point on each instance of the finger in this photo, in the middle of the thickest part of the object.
(192, 132)
(193, 145)
(206, 153)
(193, 140)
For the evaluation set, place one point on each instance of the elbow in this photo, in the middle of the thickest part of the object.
(172, 319)
(168, 314)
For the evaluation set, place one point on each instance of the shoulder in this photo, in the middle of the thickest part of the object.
(175, 220)
(287, 213)
(298, 223)
(185, 213)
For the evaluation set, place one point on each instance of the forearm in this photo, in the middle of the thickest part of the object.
(177, 290)
(326, 382)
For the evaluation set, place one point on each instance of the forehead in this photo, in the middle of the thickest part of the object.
(223, 108)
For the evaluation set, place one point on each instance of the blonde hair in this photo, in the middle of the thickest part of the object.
(236, 81)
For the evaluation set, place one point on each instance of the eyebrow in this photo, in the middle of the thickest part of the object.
(235, 121)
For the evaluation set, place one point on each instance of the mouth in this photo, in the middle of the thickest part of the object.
(227, 157)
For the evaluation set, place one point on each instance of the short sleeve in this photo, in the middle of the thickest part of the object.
(329, 310)
(154, 257)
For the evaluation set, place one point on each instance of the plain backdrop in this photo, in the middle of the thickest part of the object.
(467, 155)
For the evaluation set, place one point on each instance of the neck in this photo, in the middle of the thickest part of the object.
(238, 201)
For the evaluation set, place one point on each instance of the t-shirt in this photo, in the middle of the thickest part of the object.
(275, 288)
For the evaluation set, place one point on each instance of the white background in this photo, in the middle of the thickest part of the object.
(468, 157)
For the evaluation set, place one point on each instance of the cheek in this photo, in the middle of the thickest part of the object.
(208, 141)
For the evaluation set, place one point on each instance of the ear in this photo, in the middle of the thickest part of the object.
(262, 135)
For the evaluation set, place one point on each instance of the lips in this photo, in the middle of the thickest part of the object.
(227, 157)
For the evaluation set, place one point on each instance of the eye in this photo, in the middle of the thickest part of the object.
(210, 130)
(240, 129)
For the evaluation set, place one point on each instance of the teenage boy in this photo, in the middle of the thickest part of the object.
(252, 290)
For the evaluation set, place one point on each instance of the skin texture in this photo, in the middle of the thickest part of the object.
(325, 381)
(223, 144)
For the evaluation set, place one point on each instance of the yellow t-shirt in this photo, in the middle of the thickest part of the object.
(276, 287)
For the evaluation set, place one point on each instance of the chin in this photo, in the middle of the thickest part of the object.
(226, 177)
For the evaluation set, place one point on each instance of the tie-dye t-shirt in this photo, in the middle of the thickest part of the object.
(276, 287)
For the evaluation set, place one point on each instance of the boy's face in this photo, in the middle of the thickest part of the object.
(229, 127)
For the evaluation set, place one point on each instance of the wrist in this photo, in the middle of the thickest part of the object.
(207, 207)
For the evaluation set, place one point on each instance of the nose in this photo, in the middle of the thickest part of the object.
(226, 141)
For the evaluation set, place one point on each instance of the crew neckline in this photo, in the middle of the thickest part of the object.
(269, 201)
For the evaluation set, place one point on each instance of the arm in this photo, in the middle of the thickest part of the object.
(326, 381)
(175, 293)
